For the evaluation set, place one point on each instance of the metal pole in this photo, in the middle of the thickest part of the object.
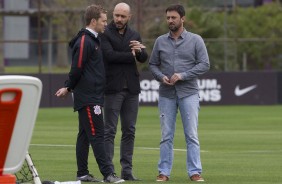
(50, 44)
(138, 15)
(39, 37)
(225, 37)
(236, 33)
(244, 62)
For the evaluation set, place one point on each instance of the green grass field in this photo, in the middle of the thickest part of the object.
(239, 144)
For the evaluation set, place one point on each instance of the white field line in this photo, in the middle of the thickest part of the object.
(142, 148)
(147, 148)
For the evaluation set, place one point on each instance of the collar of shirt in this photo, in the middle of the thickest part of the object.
(184, 32)
(92, 31)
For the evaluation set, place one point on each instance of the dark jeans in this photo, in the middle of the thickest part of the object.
(125, 105)
(91, 131)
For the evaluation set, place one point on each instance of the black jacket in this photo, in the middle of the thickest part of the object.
(87, 75)
(120, 64)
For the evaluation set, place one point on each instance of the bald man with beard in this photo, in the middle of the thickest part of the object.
(122, 48)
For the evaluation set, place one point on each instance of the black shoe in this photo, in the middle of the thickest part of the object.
(88, 178)
(130, 177)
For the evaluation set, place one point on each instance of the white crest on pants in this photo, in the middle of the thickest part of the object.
(97, 110)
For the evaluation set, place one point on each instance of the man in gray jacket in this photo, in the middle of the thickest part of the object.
(177, 59)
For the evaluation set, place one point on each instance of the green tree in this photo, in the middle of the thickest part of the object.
(262, 27)
(209, 25)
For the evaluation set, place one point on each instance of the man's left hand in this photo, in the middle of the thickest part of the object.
(136, 46)
(175, 77)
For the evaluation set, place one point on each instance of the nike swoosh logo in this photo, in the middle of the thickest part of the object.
(240, 92)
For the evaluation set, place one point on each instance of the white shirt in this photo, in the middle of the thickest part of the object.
(92, 31)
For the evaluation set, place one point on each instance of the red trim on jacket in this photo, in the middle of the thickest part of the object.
(90, 120)
(81, 52)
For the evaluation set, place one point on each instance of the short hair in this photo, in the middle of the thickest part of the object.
(178, 8)
(93, 12)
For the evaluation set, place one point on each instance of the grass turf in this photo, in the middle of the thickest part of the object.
(239, 144)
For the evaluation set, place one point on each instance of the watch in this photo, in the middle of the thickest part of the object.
(69, 89)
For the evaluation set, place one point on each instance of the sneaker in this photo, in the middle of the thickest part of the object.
(130, 177)
(197, 177)
(88, 178)
(162, 177)
(113, 178)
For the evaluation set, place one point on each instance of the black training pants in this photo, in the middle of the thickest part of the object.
(91, 131)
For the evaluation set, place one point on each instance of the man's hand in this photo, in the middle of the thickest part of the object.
(62, 92)
(166, 81)
(136, 46)
(174, 78)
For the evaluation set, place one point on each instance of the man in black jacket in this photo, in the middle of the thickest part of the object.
(122, 47)
(87, 82)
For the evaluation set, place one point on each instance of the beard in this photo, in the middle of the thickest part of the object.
(173, 27)
(120, 26)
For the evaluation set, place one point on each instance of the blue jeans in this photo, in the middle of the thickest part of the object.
(189, 109)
